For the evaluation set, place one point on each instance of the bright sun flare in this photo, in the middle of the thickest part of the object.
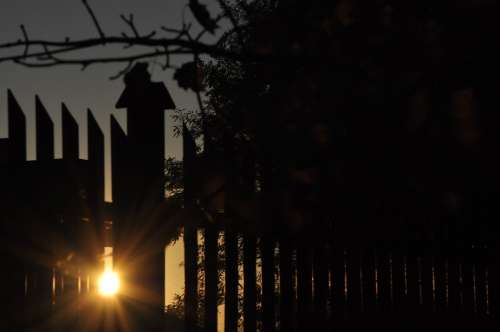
(109, 283)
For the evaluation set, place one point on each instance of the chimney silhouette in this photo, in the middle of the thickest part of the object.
(138, 161)
(145, 102)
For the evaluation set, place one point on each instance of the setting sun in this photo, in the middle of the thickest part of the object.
(109, 283)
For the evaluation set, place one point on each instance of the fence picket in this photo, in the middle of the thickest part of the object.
(286, 285)
(211, 277)
(231, 289)
(304, 286)
(249, 282)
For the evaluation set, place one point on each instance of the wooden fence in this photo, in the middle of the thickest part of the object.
(273, 284)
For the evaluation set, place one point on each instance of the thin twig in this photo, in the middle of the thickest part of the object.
(94, 19)
(131, 24)
(180, 33)
(26, 39)
(172, 30)
(122, 72)
(150, 35)
(167, 59)
(48, 54)
(85, 64)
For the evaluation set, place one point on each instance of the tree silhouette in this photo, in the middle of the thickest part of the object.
(376, 91)
(367, 124)
(370, 130)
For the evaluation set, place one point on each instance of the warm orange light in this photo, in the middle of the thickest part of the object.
(109, 283)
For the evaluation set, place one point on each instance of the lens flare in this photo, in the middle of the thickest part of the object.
(109, 283)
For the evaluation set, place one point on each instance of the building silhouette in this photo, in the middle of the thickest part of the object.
(54, 218)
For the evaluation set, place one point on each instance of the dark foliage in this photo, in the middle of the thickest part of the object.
(376, 115)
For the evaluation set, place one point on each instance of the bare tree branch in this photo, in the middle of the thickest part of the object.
(181, 43)
(92, 42)
(68, 46)
(47, 53)
(88, 61)
(161, 46)
(40, 55)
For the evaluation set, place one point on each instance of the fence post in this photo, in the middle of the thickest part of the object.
(337, 282)
(191, 276)
(211, 277)
(190, 232)
(369, 282)
(441, 279)
(286, 285)
(304, 286)
(231, 294)
(386, 297)
(453, 276)
(249, 281)
(354, 273)
(493, 281)
(320, 272)
(267, 246)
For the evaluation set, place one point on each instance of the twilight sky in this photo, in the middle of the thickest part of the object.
(79, 90)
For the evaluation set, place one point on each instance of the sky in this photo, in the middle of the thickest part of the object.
(89, 89)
